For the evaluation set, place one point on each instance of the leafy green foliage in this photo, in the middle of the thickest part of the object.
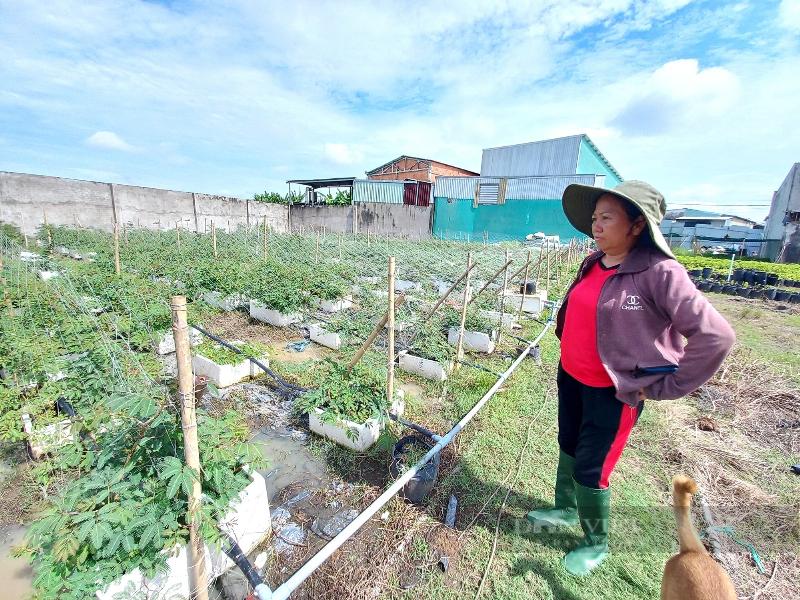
(355, 395)
(223, 356)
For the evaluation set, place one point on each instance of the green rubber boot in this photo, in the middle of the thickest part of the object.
(593, 507)
(565, 512)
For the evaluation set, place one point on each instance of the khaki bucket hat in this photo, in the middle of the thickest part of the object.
(579, 200)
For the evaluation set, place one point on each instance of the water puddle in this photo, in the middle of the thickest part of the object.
(290, 461)
(16, 574)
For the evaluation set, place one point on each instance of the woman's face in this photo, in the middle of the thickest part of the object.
(612, 229)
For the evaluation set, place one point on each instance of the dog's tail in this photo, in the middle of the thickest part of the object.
(683, 488)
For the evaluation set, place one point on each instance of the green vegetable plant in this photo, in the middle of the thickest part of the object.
(223, 356)
(355, 395)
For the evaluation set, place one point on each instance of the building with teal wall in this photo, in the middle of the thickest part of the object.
(519, 190)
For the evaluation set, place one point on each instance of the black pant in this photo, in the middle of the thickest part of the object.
(593, 427)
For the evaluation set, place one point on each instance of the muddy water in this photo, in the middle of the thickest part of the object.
(16, 574)
(289, 461)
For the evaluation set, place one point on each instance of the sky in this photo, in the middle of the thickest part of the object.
(699, 98)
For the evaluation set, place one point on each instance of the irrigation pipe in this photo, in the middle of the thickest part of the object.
(292, 388)
(283, 591)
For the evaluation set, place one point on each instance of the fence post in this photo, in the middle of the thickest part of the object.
(525, 282)
(503, 293)
(196, 554)
(117, 268)
(460, 345)
(390, 328)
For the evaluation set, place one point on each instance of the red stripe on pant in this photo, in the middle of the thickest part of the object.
(627, 420)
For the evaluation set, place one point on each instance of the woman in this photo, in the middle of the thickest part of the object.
(622, 326)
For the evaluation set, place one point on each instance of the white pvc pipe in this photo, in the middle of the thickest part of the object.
(282, 592)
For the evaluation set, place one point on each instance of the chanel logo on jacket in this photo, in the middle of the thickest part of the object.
(632, 303)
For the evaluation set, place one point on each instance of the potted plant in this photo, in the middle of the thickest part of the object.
(225, 367)
(478, 333)
(350, 405)
(276, 295)
(431, 355)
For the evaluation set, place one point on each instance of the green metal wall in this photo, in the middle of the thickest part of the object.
(457, 219)
(589, 161)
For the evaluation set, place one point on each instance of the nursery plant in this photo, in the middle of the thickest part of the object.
(224, 356)
(355, 395)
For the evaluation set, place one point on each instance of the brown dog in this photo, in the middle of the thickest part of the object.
(692, 574)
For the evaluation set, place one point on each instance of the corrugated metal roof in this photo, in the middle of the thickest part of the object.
(371, 190)
(546, 157)
(517, 188)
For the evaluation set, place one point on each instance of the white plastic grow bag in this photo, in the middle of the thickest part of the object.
(45, 439)
(320, 335)
(247, 521)
(228, 304)
(509, 321)
(225, 375)
(259, 312)
(166, 345)
(332, 306)
(429, 369)
(362, 435)
(474, 341)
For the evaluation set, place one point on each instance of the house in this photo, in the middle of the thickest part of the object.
(690, 217)
(519, 189)
(783, 222)
(690, 227)
(419, 169)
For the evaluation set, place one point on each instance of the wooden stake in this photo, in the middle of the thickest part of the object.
(47, 229)
(503, 298)
(464, 304)
(117, 268)
(399, 300)
(497, 273)
(196, 559)
(390, 327)
(447, 293)
(316, 250)
(178, 233)
(340, 247)
(26, 241)
(214, 237)
(548, 264)
(266, 239)
(524, 284)
(125, 233)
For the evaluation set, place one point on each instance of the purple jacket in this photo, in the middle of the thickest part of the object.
(644, 311)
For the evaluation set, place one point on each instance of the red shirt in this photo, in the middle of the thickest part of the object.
(579, 356)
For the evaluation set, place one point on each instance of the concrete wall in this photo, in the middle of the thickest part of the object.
(26, 199)
(396, 220)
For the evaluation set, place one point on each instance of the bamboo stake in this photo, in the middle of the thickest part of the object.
(125, 233)
(198, 579)
(447, 293)
(381, 324)
(214, 237)
(503, 298)
(548, 264)
(390, 327)
(26, 241)
(117, 268)
(316, 250)
(495, 276)
(524, 285)
(266, 238)
(178, 234)
(47, 229)
(460, 346)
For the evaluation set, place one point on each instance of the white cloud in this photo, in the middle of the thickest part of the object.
(789, 14)
(342, 154)
(678, 94)
(109, 141)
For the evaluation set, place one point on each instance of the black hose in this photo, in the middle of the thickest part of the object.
(295, 389)
(479, 367)
(236, 555)
(414, 426)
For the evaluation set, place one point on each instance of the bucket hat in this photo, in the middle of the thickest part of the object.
(579, 200)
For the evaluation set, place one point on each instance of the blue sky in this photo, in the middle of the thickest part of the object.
(697, 97)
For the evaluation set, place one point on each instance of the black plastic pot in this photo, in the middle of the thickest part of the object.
(748, 276)
(696, 273)
(782, 295)
(770, 294)
(772, 279)
(707, 272)
(760, 278)
(422, 483)
(794, 298)
(529, 287)
(743, 292)
(738, 275)
(704, 286)
(729, 289)
(716, 287)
